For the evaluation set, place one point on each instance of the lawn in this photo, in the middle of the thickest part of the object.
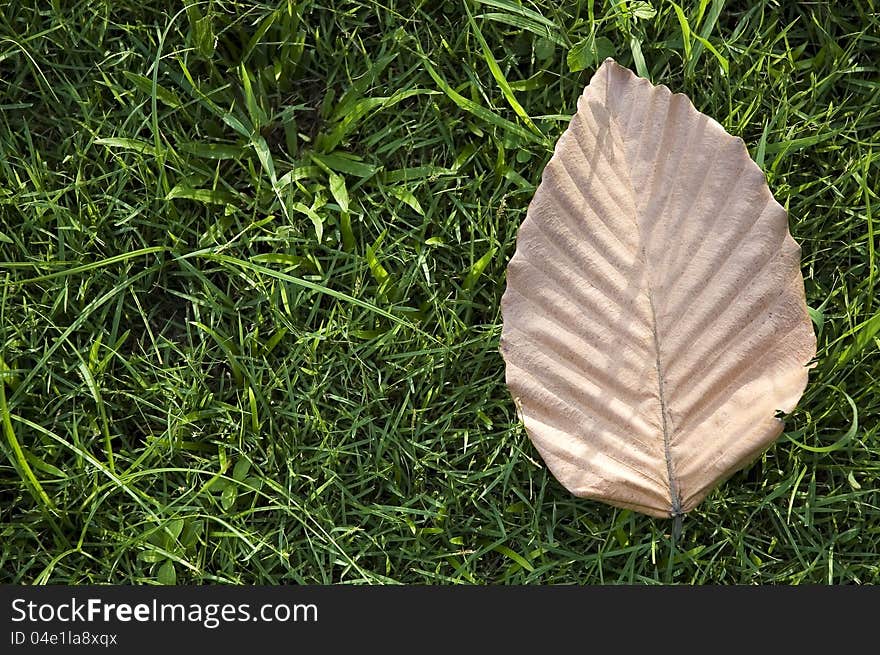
(252, 256)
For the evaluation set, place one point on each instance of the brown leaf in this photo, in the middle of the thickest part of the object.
(654, 316)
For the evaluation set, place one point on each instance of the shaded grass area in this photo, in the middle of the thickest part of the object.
(252, 256)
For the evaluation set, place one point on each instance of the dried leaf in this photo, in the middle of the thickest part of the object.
(654, 316)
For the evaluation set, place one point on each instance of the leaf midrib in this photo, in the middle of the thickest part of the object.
(674, 490)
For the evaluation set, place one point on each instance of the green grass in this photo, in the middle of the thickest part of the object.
(252, 256)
